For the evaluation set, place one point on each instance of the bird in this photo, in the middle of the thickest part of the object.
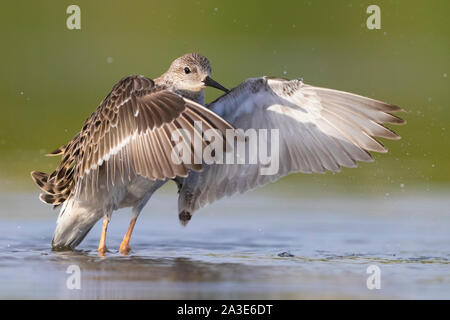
(121, 155)
(123, 152)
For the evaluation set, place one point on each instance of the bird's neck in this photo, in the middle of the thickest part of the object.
(197, 96)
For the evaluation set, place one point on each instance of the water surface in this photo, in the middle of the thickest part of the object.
(251, 246)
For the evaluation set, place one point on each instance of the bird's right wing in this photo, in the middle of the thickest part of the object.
(319, 129)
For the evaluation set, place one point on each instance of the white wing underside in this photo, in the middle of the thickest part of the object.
(319, 130)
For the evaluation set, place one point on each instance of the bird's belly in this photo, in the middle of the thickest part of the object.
(138, 189)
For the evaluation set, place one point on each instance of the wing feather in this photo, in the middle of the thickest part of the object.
(129, 134)
(319, 129)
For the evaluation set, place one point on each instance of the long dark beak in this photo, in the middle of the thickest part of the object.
(211, 83)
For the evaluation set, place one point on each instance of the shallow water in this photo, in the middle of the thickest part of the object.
(251, 246)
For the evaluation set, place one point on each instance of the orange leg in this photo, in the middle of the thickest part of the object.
(125, 245)
(102, 245)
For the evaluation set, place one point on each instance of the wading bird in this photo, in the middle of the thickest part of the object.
(122, 154)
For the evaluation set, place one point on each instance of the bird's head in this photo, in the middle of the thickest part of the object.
(191, 72)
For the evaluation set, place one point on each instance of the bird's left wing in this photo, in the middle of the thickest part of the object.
(131, 133)
(319, 129)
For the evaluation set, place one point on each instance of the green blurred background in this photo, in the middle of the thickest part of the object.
(52, 78)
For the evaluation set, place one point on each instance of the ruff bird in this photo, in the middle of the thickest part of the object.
(121, 156)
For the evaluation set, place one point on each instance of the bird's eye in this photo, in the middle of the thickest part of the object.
(187, 70)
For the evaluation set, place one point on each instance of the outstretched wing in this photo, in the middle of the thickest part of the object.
(319, 129)
(130, 133)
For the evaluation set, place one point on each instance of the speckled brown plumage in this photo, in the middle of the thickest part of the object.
(129, 133)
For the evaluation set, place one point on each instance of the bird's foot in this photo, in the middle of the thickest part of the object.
(124, 249)
(102, 251)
